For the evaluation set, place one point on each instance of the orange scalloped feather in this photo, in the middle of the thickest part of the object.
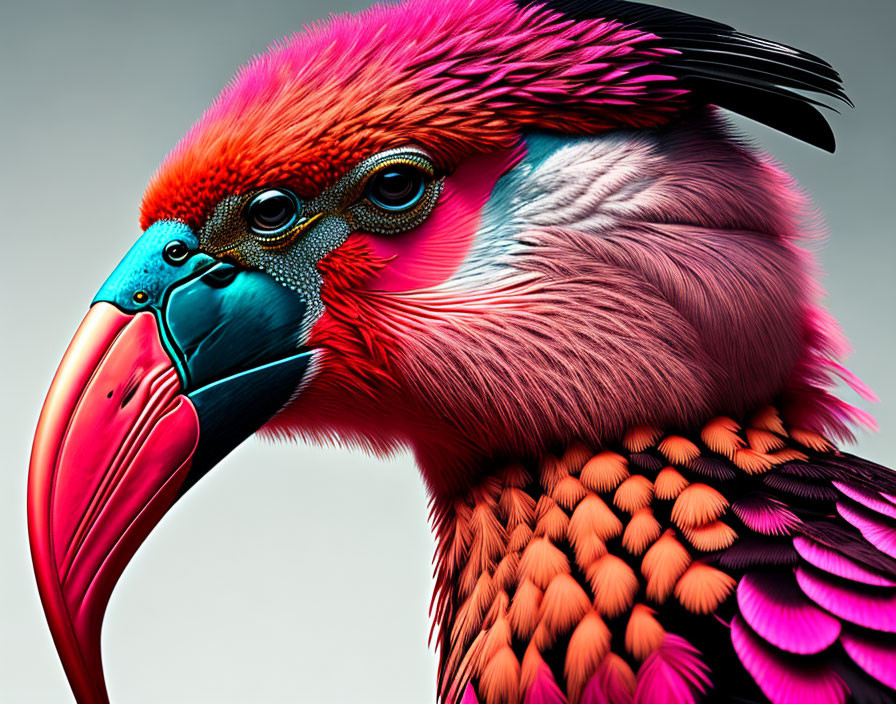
(550, 472)
(604, 472)
(642, 530)
(550, 519)
(679, 450)
(593, 517)
(588, 646)
(519, 537)
(471, 613)
(643, 634)
(500, 681)
(764, 441)
(516, 507)
(568, 492)
(721, 435)
(634, 493)
(698, 505)
(542, 561)
(663, 565)
(702, 589)
(508, 570)
(563, 606)
(524, 606)
(812, 440)
(589, 549)
(614, 585)
(669, 483)
(768, 419)
(640, 437)
(711, 537)
(752, 462)
(575, 457)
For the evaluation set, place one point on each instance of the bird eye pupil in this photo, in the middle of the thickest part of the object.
(396, 187)
(175, 252)
(272, 212)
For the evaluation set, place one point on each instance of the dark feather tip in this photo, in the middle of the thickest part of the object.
(759, 79)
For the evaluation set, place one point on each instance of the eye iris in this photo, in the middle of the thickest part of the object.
(397, 187)
(272, 211)
(175, 252)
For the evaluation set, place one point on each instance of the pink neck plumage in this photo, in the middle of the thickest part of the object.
(650, 276)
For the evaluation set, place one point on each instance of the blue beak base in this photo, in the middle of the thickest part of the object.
(233, 333)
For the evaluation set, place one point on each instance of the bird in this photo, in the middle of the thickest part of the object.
(521, 239)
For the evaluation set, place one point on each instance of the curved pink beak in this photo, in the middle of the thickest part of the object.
(112, 448)
(179, 360)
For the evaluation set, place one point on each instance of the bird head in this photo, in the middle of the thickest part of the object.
(476, 229)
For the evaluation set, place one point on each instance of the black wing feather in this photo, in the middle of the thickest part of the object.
(720, 66)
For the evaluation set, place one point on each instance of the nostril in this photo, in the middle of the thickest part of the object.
(128, 396)
(221, 275)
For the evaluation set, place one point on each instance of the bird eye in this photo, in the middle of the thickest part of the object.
(396, 187)
(175, 252)
(272, 212)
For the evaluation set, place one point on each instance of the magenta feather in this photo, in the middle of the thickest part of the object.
(872, 610)
(831, 561)
(873, 527)
(469, 696)
(672, 674)
(784, 680)
(780, 613)
(868, 499)
(765, 515)
(877, 659)
(544, 689)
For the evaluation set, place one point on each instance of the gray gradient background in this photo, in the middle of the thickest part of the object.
(297, 573)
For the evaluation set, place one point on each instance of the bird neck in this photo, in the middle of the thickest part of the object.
(544, 570)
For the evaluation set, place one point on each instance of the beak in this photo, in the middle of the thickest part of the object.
(179, 359)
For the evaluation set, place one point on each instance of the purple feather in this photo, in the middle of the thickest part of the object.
(849, 468)
(875, 610)
(753, 552)
(799, 487)
(712, 468)
(785, 680)
(672, 674)
(877, 659)
(831, 561)
(778, 611)
(765, 515)
(806, 471)
(645, 461)
(873, 527)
